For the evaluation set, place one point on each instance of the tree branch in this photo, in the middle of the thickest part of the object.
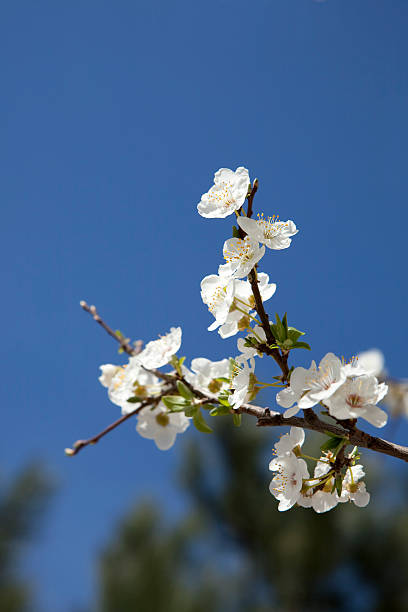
(80, 444)
(311, 421)
(265, 417)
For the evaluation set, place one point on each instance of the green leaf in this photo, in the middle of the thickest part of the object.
(303, 345)
(200, 423)
(251, 341)
(191, 410)
(331, 444)
(235, 232)
(280, 330)
(285, 322)
(173, 402)
(220, 410)
(339, 484)
(184, 390)
(135, 399)
(222, 379)
(237, 418)
(294, 334)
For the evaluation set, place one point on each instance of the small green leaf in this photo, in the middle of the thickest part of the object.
(200, 423)
(285, 322)
(331, 444)
(280, 330)
(294, 334)
(172, 402)
(303, 345)
(190, 410)
(220, 410)
(135, 399)
(237, 419)
(222, 379)
(184, 390)
(339, 485)
(235, 232)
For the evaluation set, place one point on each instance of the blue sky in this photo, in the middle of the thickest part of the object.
(114, 117)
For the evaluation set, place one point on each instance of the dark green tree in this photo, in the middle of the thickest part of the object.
(22, 506)
(236, 552)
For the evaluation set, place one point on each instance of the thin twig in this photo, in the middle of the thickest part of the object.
(80, 444)
(122, 341)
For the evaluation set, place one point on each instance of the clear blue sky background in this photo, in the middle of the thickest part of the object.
(113, 118)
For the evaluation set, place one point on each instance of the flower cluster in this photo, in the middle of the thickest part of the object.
(166, 403)
(347, 390)
(228, 297)
(333, 482)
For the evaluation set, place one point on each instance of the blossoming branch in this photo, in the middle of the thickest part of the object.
(165, 403)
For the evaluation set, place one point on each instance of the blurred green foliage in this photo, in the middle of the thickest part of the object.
(22, 506)
(234, 552)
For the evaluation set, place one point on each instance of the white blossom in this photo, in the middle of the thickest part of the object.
(217, 293)
(160, 425)
(158, 353)
(309, 387)
(227, 194)
(129, 381)
(273, 233)
(358, 397)
(241, 256)
(244, 301)
(287, 484)
(352, 489)
(397, 397)
(289, 441)
(108, 372)
(242, 382)
(246, 352)
(206, 375)
(372, 361)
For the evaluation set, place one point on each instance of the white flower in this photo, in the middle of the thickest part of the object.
(290, 440)
(309, 387)
(358, 397)
(227, 195)
(129, 381)
(158, 353)
(397, 397)
(246, 352)
(323, 501)
(241, 256)
(273, 233)
(108, 372)
(160, 425)
(244, 301)
(243, 382)
(217, 293)
(206, 373)
(368, 362)
(372, 361)
(352, 489)
(287, 484)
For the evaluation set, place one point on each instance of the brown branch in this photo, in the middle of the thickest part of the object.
(266, 418)
(80, 444)
(311, 421)
(124, 343)
(251, 197)
(281, 359)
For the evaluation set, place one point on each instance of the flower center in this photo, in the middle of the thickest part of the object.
(162, 419)
(217, 298)
(355, 401)
(243, 251)
(222, 195)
